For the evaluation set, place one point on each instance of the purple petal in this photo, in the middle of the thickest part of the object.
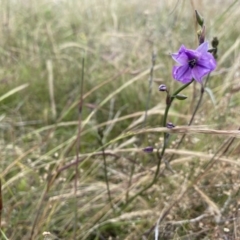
(199, 72)
(148, 149)
(181, 56)
(192, 54)
(182, 73)
(207, 61)
(170, 125)
(203, 48)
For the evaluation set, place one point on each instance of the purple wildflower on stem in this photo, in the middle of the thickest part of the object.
(194, 64)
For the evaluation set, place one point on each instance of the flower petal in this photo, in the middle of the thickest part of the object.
(199, 72)
(192, 54)
(181, 56)
(182, 73)
(207, 61)
(203, 48)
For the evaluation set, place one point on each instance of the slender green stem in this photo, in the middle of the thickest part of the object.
(78, 144)
(1, 203)
(160, 156)
(100, 139)
(169, 103)
(106, 178)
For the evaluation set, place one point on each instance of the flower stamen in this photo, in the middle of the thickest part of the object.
(192, 63)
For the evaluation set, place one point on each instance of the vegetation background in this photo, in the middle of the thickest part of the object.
(43, 194)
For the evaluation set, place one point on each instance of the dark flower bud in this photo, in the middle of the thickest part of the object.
(170, 125)
(200, 19)
(148, 149)
(162, 88)
(215, 42)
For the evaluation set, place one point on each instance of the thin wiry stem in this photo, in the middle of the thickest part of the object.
(231, 140)
(193, 115)
(169, 101)
(77, 150)
(100, 135)
(150, 87)
(1, 203)
(51, 88)
(160, 156)
(39, 208)
(130, 179)
(199, 100)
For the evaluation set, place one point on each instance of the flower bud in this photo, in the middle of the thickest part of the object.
(215, 42)
(201, 36)
(148, 149)
(170, 125)
(162, 88)
(199, 18)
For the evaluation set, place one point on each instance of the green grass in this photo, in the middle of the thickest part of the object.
(46, 40)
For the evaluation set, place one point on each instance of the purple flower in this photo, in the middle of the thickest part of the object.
(170, 125)
(194, 64)
(162, 88)
(148, 149)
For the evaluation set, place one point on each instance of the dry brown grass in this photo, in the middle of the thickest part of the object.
(42, 46)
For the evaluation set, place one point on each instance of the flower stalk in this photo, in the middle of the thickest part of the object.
(164, 124)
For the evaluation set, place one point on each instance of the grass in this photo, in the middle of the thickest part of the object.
(42, 46)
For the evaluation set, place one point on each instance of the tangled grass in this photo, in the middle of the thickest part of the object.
(73, 171)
